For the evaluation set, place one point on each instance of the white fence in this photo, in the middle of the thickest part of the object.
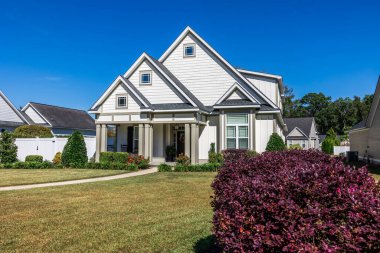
(48, 147)
(341, 149)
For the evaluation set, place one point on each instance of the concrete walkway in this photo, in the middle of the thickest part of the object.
(80, 181)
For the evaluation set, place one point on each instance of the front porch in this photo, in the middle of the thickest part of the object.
(149, 139)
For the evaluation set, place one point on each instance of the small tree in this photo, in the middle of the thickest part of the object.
(75, 153)
(330, 141)
(8, 148)
(275, 143)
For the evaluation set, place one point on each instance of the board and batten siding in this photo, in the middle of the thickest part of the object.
(207, 135)
(109, 105)
(7, 113)
(374, 136)
(35, 116)
(268, 87)
(158, 92)
(263, 131)
(201, 74)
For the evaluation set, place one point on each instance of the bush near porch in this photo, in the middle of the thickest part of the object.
(298, 200)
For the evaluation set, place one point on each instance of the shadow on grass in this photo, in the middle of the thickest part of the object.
(207, 245)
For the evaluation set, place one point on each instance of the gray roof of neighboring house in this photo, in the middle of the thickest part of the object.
(361, 124)
(304, 124)
(60, 117)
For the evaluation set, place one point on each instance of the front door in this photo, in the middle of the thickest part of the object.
(180, 142)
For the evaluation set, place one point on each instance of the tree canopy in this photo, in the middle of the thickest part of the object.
(339, 115)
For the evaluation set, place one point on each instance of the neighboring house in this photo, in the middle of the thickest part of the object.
(190, 97)
(365, 136)
(62, 121)
(302, 131)
(10, 117)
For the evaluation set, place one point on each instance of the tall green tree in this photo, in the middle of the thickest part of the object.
(8, 148)
(314, 102)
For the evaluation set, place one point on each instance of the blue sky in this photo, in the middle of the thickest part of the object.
(68, 52)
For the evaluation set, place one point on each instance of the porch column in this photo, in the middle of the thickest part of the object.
(141, 139)
(222, 118)
(167, 135)
(151, 142)
(146, 141)
(103, 145)
(252, 129)
(187, 140)
(194, 143)
(97, 149)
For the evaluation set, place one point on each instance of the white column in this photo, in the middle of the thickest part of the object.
(194, 143)
(167, 135)
(103, 145)
(252, 126)
(146, 141)
(141, 139)
(150, 142)
(222, 117)
(187, 140)
(98, 143)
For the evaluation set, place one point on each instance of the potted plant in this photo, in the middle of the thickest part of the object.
(170, 153)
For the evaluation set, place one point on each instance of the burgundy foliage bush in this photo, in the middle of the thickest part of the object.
(295, 201)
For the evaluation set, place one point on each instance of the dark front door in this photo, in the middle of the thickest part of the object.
(180, 142)
(130, 139)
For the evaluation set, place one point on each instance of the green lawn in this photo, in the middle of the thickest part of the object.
(24, 176)
(161, 212)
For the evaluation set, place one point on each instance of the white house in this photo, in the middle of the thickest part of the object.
(302, 131)
(190, 97)
(10, 117)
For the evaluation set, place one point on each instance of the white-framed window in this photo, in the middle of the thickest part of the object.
(303, 144)
(146, 77)
(121, 101)
(135, 139)
(237, 131)
(188, 50)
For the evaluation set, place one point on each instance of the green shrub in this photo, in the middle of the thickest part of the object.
(112, 166)
(252, 153)
(164, 168)
(8, 148)
(139, 160)
(170, 152)
(182, 159)
(275, 143)
(295, 147)
(328, 146)
(30, 165)
(34, 158)
(32, 131)
(118, 157)
(75, 153)
(57, 158)
(206, 167)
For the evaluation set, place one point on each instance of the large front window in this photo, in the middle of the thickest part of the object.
(237, 131)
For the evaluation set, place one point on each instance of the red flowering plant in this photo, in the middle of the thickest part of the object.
(139, 160)
(295, 201)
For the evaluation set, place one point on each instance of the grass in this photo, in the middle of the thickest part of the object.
(10, 177)
(161, 212)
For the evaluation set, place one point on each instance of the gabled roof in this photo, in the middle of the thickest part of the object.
(18, 113)
(61, 117)
(188, 30)
(303, 124)
(360, 125)
(232, 89)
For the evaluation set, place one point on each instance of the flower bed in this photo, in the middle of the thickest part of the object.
(295, 201)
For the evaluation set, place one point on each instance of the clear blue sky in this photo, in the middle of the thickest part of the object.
(67, 53)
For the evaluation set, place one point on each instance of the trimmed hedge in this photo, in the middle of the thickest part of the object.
(112, 166)
(34, 158)
(275, 143)
(296, 201)
(206, 167)
(28, 165)
(75, 152)
(110, 157)
(32, 131)
(165, 168)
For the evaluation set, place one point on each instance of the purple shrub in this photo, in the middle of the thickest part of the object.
(295, 201)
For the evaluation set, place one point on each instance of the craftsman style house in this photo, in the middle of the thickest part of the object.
(302, 132)
(189, 98)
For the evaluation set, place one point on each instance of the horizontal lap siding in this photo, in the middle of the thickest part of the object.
(374, 136)
(34, 116)
(201, 74)
(359, 141)
(158, 92)
(7, 113)
(109, 105)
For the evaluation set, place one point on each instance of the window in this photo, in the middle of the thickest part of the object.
(237, 131)
(121, 101)
(135, 139)
(145, 77)
(303, 143)
(188, 50)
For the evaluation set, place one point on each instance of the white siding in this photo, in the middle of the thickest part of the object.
(266, 86)
(201, 74)
(34, 116)
(237, 95)
(296, 132)
(7, 113)
(263, 130)
(158, 92)
(109, 105)
(158, 140)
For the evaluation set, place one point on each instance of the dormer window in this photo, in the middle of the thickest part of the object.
(189, 50)
(146, 77)
(121, 101)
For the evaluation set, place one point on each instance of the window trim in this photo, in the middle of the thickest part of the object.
(150, 77)
(184, 50)
(117, 101)
(237, 137)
